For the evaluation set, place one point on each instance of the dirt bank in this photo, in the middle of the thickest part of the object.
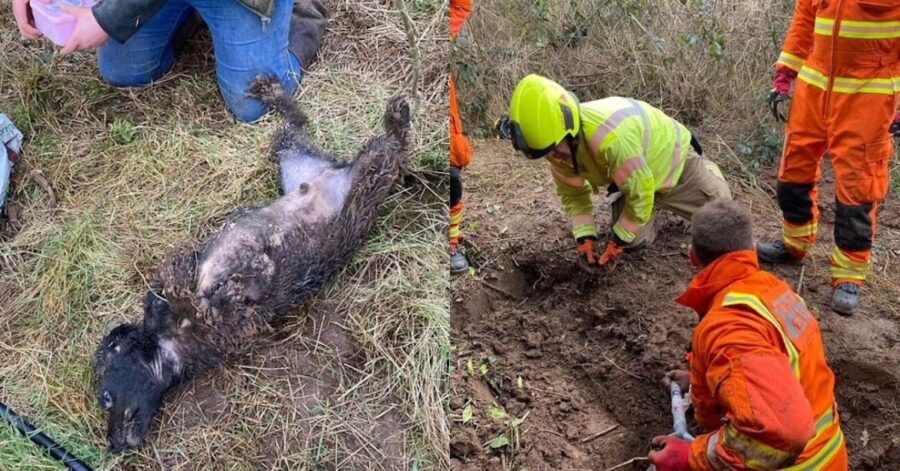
(578, 354)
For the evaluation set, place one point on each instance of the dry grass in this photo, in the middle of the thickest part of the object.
(356, 380)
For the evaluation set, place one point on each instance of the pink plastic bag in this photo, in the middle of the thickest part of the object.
(53, 22)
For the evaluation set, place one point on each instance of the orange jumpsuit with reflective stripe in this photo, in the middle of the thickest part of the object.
(760, 384)
(847, 56)
(460, 150)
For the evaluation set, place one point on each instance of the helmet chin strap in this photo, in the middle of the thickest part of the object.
(573, 148)
(575, 140)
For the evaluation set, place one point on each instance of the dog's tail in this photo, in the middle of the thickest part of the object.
(268, 90)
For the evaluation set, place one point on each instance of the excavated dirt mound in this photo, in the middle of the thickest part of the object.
(560, 369)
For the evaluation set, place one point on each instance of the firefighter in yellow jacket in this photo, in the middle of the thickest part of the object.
(643, 156)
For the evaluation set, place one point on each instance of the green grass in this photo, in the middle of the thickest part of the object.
(139, 172)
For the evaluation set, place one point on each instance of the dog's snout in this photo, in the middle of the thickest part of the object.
(114, 446)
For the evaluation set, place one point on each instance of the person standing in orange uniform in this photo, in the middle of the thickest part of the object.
(460, 150)
(761, 388)
(846, 54)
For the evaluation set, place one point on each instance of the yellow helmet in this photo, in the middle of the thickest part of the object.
(541, 114)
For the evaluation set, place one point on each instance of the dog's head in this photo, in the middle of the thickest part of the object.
(135, 370)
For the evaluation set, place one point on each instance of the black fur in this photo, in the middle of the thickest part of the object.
(210, 302)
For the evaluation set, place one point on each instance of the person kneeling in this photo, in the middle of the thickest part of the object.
(759, 383)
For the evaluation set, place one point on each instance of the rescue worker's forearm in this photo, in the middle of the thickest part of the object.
(121, 18)
(767, 419)
(576, 202)
(799, 40)
(708, 454)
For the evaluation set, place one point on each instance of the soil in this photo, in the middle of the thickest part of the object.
(296, 372)
(580, 355)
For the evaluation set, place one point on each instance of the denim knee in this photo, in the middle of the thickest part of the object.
(120, 72)
(244, 109)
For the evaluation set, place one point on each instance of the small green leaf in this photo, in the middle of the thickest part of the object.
(497, 413)
(484, 369)
(472, 271)
(470, 367)
(468, 413)
(520, 383)
(517, 422)
(499, 442)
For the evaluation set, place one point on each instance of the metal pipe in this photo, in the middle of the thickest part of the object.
(38, 438)
(679, 420)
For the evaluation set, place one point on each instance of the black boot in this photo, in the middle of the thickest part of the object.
(775, 252)
(307, 28)
(458, 261)
(845, 299)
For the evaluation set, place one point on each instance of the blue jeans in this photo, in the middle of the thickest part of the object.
(244, 48)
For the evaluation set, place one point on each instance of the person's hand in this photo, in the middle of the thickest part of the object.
(682, 377)
(25, 19)
(587, 249)
(776, 105)
(612, 253)
(669, 453)
(87, 34)
(781, 88)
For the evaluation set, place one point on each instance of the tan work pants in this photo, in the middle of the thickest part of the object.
(701, 181)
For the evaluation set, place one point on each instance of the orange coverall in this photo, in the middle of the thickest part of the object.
(460, 150)
(847, 57)
(760, 384)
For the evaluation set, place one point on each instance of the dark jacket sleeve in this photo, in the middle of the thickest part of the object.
(121, 18)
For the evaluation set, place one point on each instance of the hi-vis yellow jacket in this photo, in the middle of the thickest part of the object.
(629, 143)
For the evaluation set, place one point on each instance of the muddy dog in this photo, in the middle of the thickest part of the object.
(210, 301)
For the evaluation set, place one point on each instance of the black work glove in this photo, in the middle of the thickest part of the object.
(501, 128)
(776, 103)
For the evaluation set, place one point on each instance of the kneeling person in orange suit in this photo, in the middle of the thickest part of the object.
(759, 382)
(646, 156)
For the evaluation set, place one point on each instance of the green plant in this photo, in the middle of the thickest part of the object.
(760, 147)
(122, 132)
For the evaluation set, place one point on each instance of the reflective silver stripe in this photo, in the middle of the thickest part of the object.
(609, 124)
(645, 121)
(754, 453)
(713, 457)
(826, 454)
(825, 420)
(676, 156)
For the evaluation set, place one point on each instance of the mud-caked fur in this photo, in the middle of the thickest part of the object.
(212, 300)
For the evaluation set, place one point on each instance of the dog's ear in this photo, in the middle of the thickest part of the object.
(117, 341)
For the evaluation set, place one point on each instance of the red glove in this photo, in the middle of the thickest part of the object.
(784, 78)
(669, 453)
(781, 87)
(613, 250)
(586, 248)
